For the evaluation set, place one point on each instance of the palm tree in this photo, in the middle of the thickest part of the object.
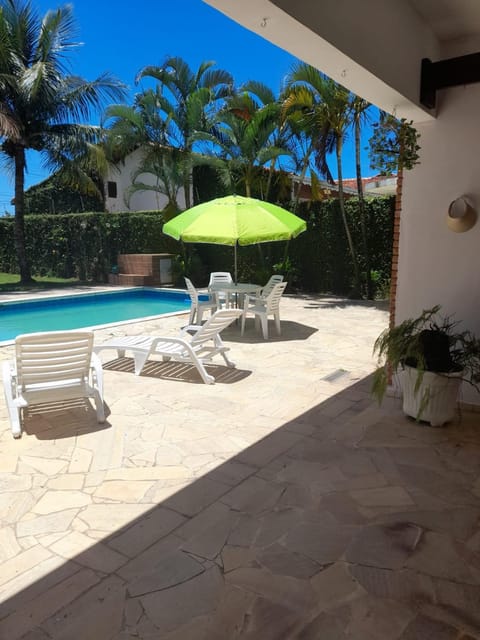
(187, 101)
(40, 103)
(143, 127)
(244, 137)
(359, 117)
(325, 106)
(261, 96)
(301, 144)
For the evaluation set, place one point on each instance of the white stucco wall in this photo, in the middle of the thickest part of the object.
(436, 265)
(141, 200)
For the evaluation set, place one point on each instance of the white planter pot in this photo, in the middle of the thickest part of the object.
(441, 391)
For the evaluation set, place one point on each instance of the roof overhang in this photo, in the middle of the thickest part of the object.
(375, 47)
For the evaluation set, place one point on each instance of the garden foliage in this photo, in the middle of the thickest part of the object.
(86, 246)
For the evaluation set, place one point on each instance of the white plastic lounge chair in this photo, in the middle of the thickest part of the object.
(198, 305)
(50, 367)
(195, 344)
(261, 308)
(217, 278)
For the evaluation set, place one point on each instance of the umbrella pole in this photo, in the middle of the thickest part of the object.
(235, 261)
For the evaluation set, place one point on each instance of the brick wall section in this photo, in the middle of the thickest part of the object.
(395, 248)
(139, 268)
(136, 263)
(394, 275)
(135, 280)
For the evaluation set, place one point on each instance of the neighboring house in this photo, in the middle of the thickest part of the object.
(327, 189)
(417, 60)
(118, 182)
(375, 185)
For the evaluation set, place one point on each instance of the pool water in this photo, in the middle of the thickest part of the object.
(87, 310)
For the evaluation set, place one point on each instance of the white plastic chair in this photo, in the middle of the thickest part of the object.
(198, 306)
(261, 308)
(51, 367)
(273, 280)
(217, 278)
(195, 344)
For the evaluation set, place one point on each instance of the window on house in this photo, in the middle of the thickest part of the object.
(112, 189)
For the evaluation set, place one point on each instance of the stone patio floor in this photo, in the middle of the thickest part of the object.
(280, 503)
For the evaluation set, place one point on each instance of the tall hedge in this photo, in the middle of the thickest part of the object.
(321, 254)
(86, 246)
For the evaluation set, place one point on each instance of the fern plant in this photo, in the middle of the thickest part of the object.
(427, 343)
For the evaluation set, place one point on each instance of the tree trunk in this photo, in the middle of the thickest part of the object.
(25, 274)
(300, 182)
(363, 214)
(186, 189)
(351, 246)
(248, 185)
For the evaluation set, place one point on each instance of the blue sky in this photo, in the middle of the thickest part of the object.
(123, 36)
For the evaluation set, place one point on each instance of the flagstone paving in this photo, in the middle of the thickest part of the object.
(280, 503)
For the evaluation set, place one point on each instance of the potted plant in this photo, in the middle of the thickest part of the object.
(433, 359)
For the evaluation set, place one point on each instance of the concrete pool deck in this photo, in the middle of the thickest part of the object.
(279, 503)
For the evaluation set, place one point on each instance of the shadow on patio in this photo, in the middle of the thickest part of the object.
(350, 521)
(183, 372)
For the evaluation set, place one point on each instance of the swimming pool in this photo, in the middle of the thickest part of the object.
(87, 310)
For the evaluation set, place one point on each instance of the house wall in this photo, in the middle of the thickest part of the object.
(121, 174)
(436, 265)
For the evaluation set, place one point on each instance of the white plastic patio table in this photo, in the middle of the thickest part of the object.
(240, 288)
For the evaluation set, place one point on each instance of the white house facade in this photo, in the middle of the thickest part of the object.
(119, 181)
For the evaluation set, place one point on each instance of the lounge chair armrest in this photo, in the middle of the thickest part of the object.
(190, 328)
(8, 369)
(9, 376)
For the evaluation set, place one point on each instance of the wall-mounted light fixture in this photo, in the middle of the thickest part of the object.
(461, 215)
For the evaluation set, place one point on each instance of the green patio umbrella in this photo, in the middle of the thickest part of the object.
(235, 220)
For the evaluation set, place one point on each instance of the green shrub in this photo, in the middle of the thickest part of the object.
(83, 245)
(86, 246)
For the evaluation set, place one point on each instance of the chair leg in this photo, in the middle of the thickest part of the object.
(277, 323)
(15, 421)
(140, 360)
(264, 320)
(13, 409)
(199, 316)
(192, 315)
(96, 372)
(228, 362)
(208, 379)
(99, 406)
(243, 323)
